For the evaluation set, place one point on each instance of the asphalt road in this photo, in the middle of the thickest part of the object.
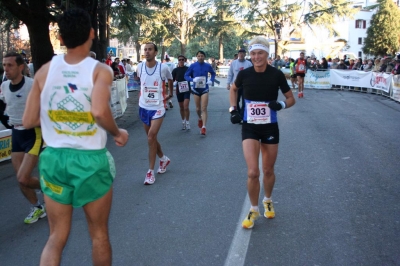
(336, 195)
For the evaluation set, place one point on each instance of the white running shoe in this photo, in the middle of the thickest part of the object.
(150, 179)
(183, 126)
(163, 166)
(187, 126)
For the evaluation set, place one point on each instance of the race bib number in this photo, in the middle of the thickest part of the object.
(151, 95)
(201, 82)
(258, 113)
(183, 86)
(301, 67)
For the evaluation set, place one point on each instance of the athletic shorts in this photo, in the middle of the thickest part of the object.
(76, 177)
(147, 115)
(293, 76)
(27, 140)
(199, 92)
(183, 96)
(267, 133)
(300, 75)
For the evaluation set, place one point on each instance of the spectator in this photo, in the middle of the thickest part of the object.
(351, 65)
(396, 68)
(369, 66)
(115, 68)
(357, 65)
(121, 67)
(342, 65)
(278, 62)
(335, 63)
(324, 64)
(109, 61)
(128, 66)
(378, 64)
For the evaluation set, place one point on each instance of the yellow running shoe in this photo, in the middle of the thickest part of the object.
(248, 222)
(269, 209)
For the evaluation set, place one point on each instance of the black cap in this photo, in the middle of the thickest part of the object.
(182, 56)
(242, 50)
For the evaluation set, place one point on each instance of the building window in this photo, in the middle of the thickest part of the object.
(359, 40)
(361, 24)
(360, 54)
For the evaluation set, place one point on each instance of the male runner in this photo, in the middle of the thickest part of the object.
(236, 66)
(70, 100)
(198, 73)
(26, 143)
(300, 68)
(152, 99)
(261, 84)
(182, 91)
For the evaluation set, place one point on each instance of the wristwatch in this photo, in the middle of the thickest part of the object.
(232, 108)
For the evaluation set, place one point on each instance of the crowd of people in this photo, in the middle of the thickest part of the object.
(386, 64)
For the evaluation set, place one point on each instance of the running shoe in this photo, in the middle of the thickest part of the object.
(170, 104)
(200, 123)
(187, 125)
(163, 166)
(203, 131)
(183, 125)
(35, 214)
(248, 222)
(150, 179)
(269, 209)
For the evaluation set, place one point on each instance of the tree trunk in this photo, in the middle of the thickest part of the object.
(102, 43)
(41, 48)
(162, 53)
(221, 49)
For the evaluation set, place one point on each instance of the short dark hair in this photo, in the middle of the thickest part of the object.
(155, 46)
(18, 58)
(201, 52)
(74, 27)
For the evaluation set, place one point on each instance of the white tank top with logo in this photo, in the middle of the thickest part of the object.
(65, 114)
(152, 93)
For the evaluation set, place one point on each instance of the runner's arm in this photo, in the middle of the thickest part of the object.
(101, 93)
(31, 117)
(188, 73)
(234, 88)
(230, 75)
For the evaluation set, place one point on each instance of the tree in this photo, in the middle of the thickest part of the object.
(38, 14)
(217, 19)
(280, 20)
(384, 32)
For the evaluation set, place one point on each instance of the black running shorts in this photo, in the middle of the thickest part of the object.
(267, 133)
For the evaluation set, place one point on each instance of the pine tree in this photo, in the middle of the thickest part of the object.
(384, 32)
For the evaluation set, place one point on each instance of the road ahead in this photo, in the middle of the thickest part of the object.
(336, 195)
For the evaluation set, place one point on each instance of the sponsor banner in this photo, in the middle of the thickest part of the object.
(351, 78)
(396, 88)
(118, 98)
(317, 80)
(132, 84)
(361, 79)
(380, 81)
(5, 145)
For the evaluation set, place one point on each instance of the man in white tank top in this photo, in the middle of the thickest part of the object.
(70, 101)
(152, 104)
(26, 143)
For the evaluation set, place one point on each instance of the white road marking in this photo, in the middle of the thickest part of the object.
(240, 243)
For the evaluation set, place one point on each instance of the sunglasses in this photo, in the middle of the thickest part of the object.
(181, 59)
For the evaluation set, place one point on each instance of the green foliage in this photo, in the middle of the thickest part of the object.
(384, 32)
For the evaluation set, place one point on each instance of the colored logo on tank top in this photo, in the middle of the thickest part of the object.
(71, 88)
(156, 83)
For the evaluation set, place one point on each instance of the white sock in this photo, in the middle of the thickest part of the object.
(164, 158)
(267, 199)
(204, 126)
(151, 170)
(254, 208)
(183, 121)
